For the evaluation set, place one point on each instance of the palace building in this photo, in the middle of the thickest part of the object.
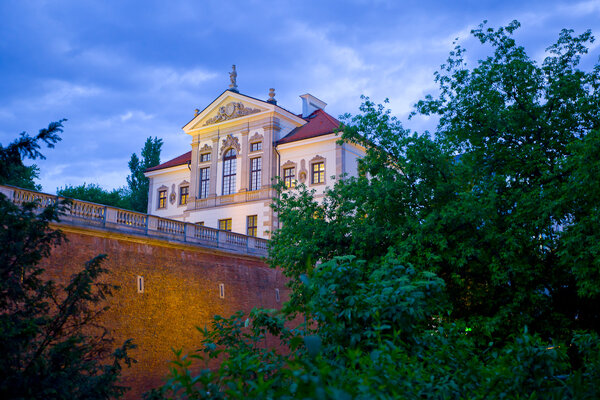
(240, 144)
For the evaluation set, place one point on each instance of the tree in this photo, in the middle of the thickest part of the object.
(137, 182)
(14, 172)
(457, 265)
(96, 194)
(51, 344)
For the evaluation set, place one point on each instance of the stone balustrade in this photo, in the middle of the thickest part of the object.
(116, 219)
(240, 197)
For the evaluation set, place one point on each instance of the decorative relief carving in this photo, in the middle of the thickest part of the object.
(234, 109)
(303, 172)
(289, 164)
(257, 137)
(230, 142)
(206, 148)
(172, 196)
(317, 158)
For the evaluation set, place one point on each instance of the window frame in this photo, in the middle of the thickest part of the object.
(204, 184)
(319, 173)
(204, 157)
(252, 225)
(255, 173)
(227, 224)
(229, 172)
(255, 146)
(289, 180)
(162, 199)
(186, 194)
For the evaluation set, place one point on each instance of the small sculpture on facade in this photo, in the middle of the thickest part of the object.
(233, 78)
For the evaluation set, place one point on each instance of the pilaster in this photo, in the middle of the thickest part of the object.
(269, 165)
(193, 174)
(214, 161)
(245, 161)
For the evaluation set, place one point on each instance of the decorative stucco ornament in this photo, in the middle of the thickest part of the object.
(230, 142)
(234, 109)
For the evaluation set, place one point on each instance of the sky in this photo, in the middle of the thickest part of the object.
(122, 71)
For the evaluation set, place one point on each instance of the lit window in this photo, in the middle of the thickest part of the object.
(201, 223)
(255, 167)
(140, 284)
(289, 177)
(221, 290)
(204, 182)
(252, 224)
(318, 173)
(205, 157)
(256, 146)
(184, 192)
(229, 172)
(225, 224)
(162, 199)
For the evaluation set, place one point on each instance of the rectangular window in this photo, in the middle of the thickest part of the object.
(318, 173)
(184, 192)
(204, 182)
(162, 199)
(221, 290)
(140, 284)
(229, 170)
(252, 224)
(255, 146)
(201, 223)
(255, 173)
(277, 298)
(205, 157)
(289, 177)
(225, 224)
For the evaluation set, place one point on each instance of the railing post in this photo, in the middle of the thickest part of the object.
(104, 219)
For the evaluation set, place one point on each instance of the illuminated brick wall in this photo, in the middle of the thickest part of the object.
(181, 291)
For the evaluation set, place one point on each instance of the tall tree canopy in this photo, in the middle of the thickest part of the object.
(463, 264)
(13, 171)
(138, 184)
(52, 346)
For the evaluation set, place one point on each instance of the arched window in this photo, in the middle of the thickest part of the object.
(229, 171)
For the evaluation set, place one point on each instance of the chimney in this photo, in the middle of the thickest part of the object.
(310, 104)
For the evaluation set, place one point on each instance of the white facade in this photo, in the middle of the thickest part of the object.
(239, 145)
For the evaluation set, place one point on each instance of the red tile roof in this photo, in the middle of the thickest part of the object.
(182, 159)
(319, 123)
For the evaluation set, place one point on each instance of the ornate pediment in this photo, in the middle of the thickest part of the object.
(231, 110)
(206, 148)
(257, 137)
(229, 142)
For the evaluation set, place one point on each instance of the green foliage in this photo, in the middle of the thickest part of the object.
(96, 194)
(137, 183)
(12, 170)
(52, 346)
(463, 264)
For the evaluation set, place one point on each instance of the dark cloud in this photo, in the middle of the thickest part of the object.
(123, 71)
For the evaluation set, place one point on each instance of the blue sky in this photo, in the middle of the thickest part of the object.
(121, 71)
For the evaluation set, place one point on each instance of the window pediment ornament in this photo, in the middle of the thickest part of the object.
(257, 137)
(317, 158)
(234, 109)
(230, 142)
(289, 164)
(206, 148)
